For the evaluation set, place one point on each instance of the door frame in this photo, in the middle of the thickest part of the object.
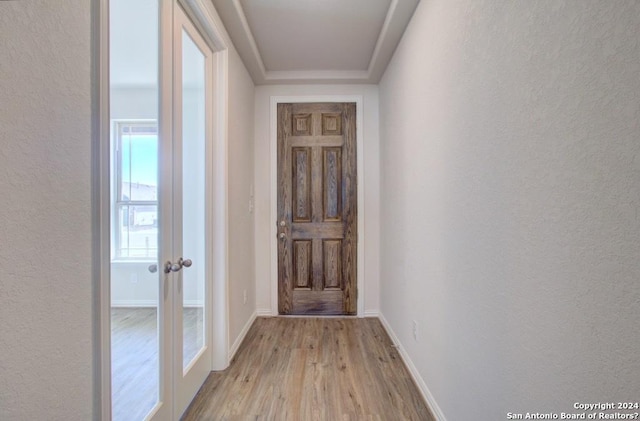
(273, 167)
(206, 19)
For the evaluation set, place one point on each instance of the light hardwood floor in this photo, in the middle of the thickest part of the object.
(134, 358)
(303, 369)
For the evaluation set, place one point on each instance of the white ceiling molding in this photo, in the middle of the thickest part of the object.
(361, 59)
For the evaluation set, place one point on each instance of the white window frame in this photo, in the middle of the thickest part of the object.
(116, 184)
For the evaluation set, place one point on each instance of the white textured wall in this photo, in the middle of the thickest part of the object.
(371, 157)
(240, 165)
(510, 136)
(45, 211)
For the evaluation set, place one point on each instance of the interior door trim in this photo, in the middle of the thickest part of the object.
(101, 221)
(273, 148)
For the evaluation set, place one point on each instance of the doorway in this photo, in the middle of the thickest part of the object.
(163, 201)
(317, 208)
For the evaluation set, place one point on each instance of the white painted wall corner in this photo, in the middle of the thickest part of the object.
(243, 333)
(415, 375)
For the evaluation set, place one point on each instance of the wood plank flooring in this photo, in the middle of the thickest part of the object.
(134, 357)
(304, 369)
(134, 362)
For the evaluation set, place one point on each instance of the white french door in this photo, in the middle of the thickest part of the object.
(161, 112)
(193, 116)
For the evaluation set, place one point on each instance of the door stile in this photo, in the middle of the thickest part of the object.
(165, 203)
(176, 251)
(350, 210)
(285, 301)
(102, 182)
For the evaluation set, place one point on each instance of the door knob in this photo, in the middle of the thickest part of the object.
(282, 235)
(174, 267)
(153, 268)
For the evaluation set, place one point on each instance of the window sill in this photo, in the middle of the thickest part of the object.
(133, 261)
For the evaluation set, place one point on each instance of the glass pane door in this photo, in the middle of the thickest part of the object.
(193, 198)
(193, 71)
(135, 268)
(160, 161)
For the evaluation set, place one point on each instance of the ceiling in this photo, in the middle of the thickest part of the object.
(315, 41)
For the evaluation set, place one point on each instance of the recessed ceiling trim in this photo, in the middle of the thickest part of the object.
(383, 34)
(316, 76)
(396, 20)
(249, 35)
(400, 12)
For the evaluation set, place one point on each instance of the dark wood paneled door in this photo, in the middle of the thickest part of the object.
(317, 208)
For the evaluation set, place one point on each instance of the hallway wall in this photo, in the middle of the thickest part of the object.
(371, 206)
(240, 167)
(46, 280)
(510, 159)
(46, 355)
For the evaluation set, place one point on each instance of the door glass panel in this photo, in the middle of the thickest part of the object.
(193, 197)
(135, 363)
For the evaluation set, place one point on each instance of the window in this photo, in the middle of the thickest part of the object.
(135, 188)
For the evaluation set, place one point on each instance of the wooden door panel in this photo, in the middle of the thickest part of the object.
(317, 208)
(302, 263)
(332, 184)
(331, 124)
(301, 184)
(301, 125)
(332, 257)
(307, 302)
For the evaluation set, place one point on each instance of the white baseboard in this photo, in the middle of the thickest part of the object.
(236, 344)
(265, 312)
(417, 378)
(151, 303)
(134, 303)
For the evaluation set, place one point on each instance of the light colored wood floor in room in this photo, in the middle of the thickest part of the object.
(134, 357)
(303, 369)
